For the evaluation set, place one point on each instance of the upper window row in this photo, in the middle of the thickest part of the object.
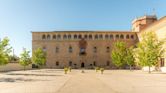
(100, 36)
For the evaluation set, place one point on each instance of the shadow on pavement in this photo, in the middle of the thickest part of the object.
(19, 80)
(32, 74)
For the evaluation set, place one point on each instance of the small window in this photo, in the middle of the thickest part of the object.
(82, 51)
(64, 36)
(70, 49)
(44, 37)
(44, 48)
(162, 62)
(94, 63)
(57, 49)
(121, 37)
(117, 36)
(108, 49)
(96, 36)
(85, 36)
(90, 36)
(132, 36)
(75, 36)
(59, 37)
(94, 49)
(48, 37)
(111, 37)
(80, 36)
(69, 36)
(101, 36)
(127, 36)
(108, 63)
(106, 36)
(54, 36)
(57, 63)
(70, 63)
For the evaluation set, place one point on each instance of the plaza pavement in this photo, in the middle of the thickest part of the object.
(55, 81)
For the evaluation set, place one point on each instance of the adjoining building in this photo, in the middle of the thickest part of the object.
(92, 48)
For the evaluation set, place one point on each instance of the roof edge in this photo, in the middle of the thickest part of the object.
(72, 31)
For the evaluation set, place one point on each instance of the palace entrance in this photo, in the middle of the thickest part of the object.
(82, 65)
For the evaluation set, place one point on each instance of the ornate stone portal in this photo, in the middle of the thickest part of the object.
(82, 46)
(82, 52)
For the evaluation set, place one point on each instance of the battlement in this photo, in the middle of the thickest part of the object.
(140, 23)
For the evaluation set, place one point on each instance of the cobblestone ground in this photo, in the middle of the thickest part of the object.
(55, 81)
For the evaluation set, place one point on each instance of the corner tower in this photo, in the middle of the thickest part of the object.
(142, 22)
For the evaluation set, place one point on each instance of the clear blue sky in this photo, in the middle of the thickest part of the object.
(19, 17)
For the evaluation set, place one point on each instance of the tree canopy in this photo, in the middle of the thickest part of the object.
(129, 58)
(149, 50)
(25, 58)
(5, 50)
(118, 54)
(122, 55)
(39, 57)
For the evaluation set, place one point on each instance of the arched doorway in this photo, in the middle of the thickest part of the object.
(82, 65)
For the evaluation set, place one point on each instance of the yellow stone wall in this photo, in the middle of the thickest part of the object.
(63, 57)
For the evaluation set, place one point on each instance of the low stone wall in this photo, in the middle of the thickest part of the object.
(13, 66)
(147, 69)
(163, 69)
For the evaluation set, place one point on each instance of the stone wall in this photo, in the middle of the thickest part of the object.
(62, 58)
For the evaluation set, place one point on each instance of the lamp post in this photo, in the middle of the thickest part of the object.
(13, 52)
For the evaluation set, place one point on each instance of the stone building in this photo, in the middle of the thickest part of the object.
(90, 48)
(158, 26)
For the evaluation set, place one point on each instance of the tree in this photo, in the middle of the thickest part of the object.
(39, 57)
(25, 59)
(149, 50)
(129, 58)
(13, 58)
(102, 70)
(5, 50)
(118, 54)
(66, 70)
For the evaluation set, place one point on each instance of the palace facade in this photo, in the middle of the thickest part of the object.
(92, 48)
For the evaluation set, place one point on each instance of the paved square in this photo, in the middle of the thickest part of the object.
(55, 81)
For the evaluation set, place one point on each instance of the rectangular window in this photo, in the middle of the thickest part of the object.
(57, 49)
(162, 62)
(108, 49)
(57, 63)
(70, 63)
(94, 49)
(94, 63)
(70, 49)
(44, 49)
(82, 51)
(108, 63)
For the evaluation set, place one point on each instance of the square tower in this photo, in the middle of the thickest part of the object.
(142, 22)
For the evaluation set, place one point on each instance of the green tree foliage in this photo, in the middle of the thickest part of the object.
(102, 70)
(129, 58)
(66, 70)
(97, 69)
(118, 54)
(122, 55)
(149, 50)
(5, 50)
(39, 57)
(25, 58)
